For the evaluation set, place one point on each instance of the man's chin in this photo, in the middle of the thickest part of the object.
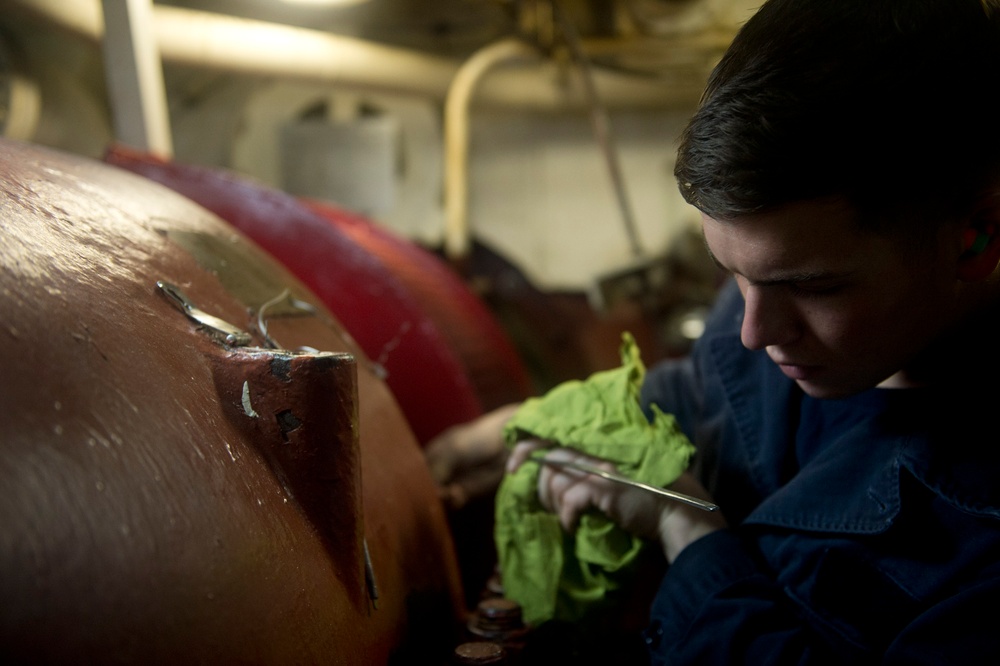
(825, 391)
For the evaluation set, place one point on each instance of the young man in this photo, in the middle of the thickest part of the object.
(846, 161)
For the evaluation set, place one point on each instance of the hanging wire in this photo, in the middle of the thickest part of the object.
(601, 124)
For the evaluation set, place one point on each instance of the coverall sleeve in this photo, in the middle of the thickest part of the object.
(717, 606)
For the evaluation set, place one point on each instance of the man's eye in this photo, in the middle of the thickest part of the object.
(813, 290)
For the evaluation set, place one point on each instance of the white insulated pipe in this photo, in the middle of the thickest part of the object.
(225, 43)
(456, 137)
(214, 41)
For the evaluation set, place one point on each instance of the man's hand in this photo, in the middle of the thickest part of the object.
(569, 493)
(467, 460)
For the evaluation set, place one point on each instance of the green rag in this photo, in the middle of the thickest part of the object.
(552, 574)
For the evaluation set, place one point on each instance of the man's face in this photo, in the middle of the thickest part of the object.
(838, 309)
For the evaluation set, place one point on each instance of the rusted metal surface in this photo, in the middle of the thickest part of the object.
(166, 497)
(394, 329)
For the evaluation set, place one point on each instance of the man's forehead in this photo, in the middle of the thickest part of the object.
(797, 242)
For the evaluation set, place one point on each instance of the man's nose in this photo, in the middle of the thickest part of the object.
(768, 319)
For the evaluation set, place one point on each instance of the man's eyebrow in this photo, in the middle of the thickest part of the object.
(797, 277)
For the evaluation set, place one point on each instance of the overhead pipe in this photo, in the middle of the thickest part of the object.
(202, 39)
(214, 41)
(456, 138)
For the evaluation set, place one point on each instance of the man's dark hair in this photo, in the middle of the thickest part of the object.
(891, 104)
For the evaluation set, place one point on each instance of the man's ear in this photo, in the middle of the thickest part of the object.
(981, 241)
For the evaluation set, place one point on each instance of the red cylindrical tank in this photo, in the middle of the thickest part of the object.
(168, 494)
(492, 363)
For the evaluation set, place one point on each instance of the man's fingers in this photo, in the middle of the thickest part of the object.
(577, 498)
(521, 452)
(553, 483)
(441, 464)
(569, 492)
